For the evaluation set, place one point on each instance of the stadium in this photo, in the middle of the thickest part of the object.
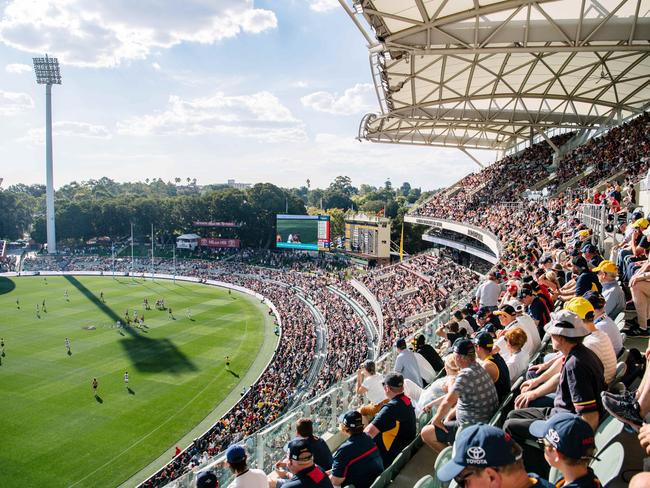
(490, 333)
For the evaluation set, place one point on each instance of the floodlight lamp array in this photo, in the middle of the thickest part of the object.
(47, 71)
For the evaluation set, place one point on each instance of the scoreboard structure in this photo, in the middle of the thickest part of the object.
(368, 236)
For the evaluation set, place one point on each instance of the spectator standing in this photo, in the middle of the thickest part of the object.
(406, 363)
(428, 352)
(487, 294)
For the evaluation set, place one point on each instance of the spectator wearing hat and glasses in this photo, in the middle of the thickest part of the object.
(578, 390)
(357, 461)
(614, 296)
(568, 446)
(485, 456)
(394, 426)
(472, 399)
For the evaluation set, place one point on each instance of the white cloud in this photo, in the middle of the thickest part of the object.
(156, 66)
(68, 129)
(260, 116)
(12, 103)
(359, 98)
(18, 68)
(323, 5)
(104, 34)
(299, 84)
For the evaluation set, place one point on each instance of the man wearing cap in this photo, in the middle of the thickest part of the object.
(597, 340)
(591, 254)
(407, 364)
(509, 320)
(631, 248)
(585, 280)
(493, 363)
(244, 476)
(472, 399)
(301, 464)
(607, 273)
(603, 322)
(487, 294)
(535, 308)
(394, 426)
(579, 386)
(207, 479)
(569, 447)
(357, 461)
(485, 456)
(428, 352)
(487, 321)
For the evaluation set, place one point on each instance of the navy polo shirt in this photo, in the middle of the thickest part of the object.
(590, 480)
(358, 461)
(539, 311)
(582, 380)
(309, 478)
(396, 424)
(587, 281)
(320, 451)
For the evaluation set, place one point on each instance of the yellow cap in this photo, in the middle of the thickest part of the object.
(583, 233)
(579, 306)
(641, 224)
(607, 267)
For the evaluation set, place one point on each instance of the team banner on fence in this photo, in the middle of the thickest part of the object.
(218, 242)
(210, 223)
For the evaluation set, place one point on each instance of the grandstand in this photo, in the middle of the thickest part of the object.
(560, 89)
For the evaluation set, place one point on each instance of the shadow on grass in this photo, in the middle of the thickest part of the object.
(233, 373)
(146, 354)
(131, 392)
(98, 398)
(6, 285)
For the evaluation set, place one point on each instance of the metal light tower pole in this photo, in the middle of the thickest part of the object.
(48, 74)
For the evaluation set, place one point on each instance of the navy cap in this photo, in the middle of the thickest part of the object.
(394, 380)
(483, 312)
(297, 448)
(351, 419)
(590, 248)
(525, 292)
(207, 479)
(463, 346)
(400, 344)
(580, 262)
(235, 454)
(484, 339)
(567, 433)
(481, 446)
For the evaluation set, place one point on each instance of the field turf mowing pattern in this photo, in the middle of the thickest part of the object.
(54, 432)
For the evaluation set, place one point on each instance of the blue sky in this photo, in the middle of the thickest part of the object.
(207, 89)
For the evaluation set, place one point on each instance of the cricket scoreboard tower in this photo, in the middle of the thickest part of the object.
(368, 236)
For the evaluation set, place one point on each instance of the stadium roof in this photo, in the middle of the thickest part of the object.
(490, 74)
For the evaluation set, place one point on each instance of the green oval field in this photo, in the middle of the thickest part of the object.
(56, 432)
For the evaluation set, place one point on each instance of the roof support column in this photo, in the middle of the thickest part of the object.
(473, 158)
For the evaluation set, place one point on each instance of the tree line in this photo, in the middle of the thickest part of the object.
(105, 207)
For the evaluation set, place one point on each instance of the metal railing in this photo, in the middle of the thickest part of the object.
(595, 217)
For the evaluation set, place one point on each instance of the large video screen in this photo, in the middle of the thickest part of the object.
(307, 232)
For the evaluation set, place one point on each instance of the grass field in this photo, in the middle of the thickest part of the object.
(55, 432)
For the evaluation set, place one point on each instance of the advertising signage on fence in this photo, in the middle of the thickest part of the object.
(209, 223)
(217, 242)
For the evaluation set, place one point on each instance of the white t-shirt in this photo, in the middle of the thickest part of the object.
(531, 346)
(464, 325)
(375, 389)
(602, 347)
(517, 365)
(253, 478)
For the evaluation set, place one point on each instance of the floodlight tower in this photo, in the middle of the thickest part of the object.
(48, 74)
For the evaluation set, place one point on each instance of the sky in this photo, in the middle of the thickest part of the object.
(207, 89)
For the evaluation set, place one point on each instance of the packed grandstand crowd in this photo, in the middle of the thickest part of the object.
(550, 278)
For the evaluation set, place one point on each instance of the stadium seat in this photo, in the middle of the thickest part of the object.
(383, 479)
(399, 462)
(607, 432)
(425, 482)
(443, 457)
(609, 464)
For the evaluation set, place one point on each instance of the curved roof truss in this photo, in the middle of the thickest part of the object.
(489, 73)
